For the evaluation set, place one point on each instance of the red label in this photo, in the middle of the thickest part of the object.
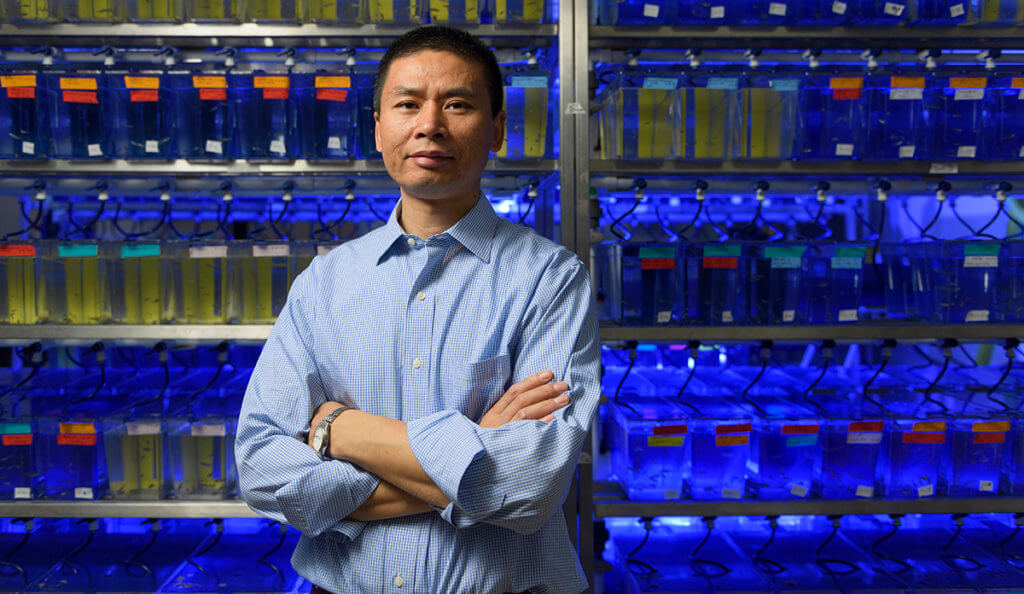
(332, 94)
(17, 250)
(146, 95)
(76, 439)
(21, 92)
(80, 97)
(213, 94)
(274, 93)
(731, 440)
(657, 264)
(925, 437)
(845, 94)
(980, 438)
(670, 430)
(799, 429)
(866, 426)
(720, 262)
(739, 428)
(17, 440)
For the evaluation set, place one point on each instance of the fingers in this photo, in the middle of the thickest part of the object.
(540, 402)
(521, 387)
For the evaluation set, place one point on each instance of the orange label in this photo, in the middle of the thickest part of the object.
(78, 84)
(720, 262)
(670, 430)
(270, 82)
(331, 94)
(213, 94)
(78, 428)
(142, 82)
(209, 82)
(275, 93)
(968, 83)
(845, 94)
(333, 82)
(18, 80)
(7, 251)
(145, 95)
(731, 440)
(983, 438)
(17, 440)
(76, 440)
(907, 82)
(738, 428)
(1017, 83)
(21, 92)
(930, 426)
(799, 429)
(990, 426)
(866, 426)
(657, 264)
(80, 97)
(924, 438)
(845, 83)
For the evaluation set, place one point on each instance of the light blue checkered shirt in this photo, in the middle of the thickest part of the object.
(430, 332)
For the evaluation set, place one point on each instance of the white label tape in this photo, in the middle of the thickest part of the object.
(893, 9)
(323, 250)
(865, 491)
(861, 438)
(847, 315)
(277, 250)
(94, 150)
(907, 152)
(839, 8)
(776, 9)
(22, 493)
(788, 315)
(652, 11)
(981, 261)
(904, 94)
(334, 142)
(29, 148)
(966, 152)
(977, 315)
(799, 490)
(968, 94)
(208, 430)
(671, 494)
(140, 428)
(718, 12)
(664, 317)
(208, 251)
(957, 10)
(152, 146)
(731, 493)
(727, 317)
(926, 491)
(986, 486)
(277, 146)
(844, 150)
(215, 146)
(83, 493)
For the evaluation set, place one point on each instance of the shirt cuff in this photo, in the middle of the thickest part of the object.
(349, 528)
(318, 499)
(445, 444)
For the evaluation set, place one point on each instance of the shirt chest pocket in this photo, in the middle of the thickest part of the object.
(474, 387)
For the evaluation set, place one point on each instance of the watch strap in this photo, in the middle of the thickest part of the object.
(325, 423)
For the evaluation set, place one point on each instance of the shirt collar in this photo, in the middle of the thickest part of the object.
(474, 231)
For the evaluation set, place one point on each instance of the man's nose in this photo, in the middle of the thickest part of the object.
(430, 122)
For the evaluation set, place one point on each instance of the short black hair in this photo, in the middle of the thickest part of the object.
(444, 39)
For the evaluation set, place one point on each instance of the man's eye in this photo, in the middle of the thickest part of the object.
(457, 105)
(407, 105)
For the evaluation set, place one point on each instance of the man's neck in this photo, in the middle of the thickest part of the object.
(426, 218)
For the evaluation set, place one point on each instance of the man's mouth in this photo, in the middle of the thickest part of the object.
(431, 158)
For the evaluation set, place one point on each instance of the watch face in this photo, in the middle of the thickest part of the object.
(318, 437)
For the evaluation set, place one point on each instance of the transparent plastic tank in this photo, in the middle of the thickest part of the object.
(333, 12)
(964, 275)
(943, 12)
(832, 112)
(638, 120)
(198, 287)
(709, 12)
(205, 117)
(527, 103)
(977, 446)
(768, 117)
(366, 123)
(908, 278)
(94, 10)
(853, 447)
(886, 12)
(142, 116)
(1005, 118)
(835, 276)
(651, 460)
(266, 118)
(327, 112)
(76, 276)
(705, 115)
(1000, 12)
(454, 11)
(274, 11)
(20, 267)
(133, 440)
(1010, 292)
(397, 12)
(918, 457)
(81, 116)
(518, 11)
(959, 118)
(829, 12)
(721, 450)
(898, 124)
(634, 12)
(214, 11)
(202, 454)
(649, 283)
(156, 11)
(31, 11)
(18, 478)
(775, 276)
(24, 116)
(770, 12)
(68, 447)
(265, 273)
(136, 283)
(721, 285)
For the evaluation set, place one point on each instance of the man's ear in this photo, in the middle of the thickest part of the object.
(499, 131)
(376, 130)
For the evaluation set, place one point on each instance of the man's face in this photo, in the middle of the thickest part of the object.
(434, 128)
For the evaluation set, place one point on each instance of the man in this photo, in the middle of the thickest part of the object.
(421, 359)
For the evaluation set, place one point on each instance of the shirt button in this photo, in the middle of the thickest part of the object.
(415, 363)
(398, 581)
(421, 295)
(411, 241)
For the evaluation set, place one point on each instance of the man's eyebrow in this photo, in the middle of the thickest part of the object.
(401, 91)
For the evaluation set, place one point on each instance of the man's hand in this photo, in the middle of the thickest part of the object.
(533, 399)
(324, 410)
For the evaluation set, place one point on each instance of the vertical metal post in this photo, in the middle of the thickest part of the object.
(567, 123)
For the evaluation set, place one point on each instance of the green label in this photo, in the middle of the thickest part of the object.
(786, 263)
(78, 251)
(529, 82)
(789, 251)
(785, 84)
(722, 251)
(662, 252)
(665, 84)
(982, 249)
(851, 252)
(725, 83)
(799, 441)
(143, 250)
(15, 428)
(847, 263)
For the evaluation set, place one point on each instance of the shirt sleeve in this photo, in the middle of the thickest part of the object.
(280, 476)
(516, 476)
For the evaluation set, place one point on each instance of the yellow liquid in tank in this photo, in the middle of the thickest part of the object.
(142, 290)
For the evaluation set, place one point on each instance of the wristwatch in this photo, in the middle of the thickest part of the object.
(322, 433)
